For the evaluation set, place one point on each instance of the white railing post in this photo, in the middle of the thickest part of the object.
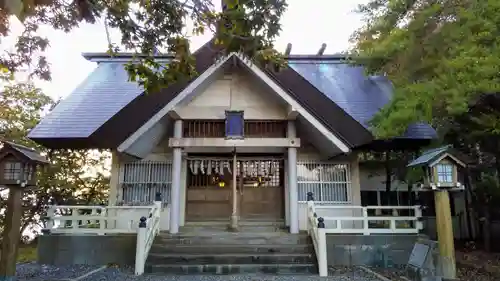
(310, 204)
(158, 205)
(322, 252)
(392, 224)
(74, 213)
(140, 257)
(51, 211)
(419, 225)
(366, 222)
(102, 221)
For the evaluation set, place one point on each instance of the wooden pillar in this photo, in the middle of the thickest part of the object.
(234, 215)
(445, 234)
(11, 235)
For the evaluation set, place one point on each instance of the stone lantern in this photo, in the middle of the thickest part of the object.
(18, 166)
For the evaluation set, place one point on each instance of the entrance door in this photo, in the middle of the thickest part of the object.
(209, 189)
(260, 184)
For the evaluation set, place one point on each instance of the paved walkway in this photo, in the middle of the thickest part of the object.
(35, 272)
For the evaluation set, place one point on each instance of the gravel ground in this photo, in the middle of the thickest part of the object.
(34, 272)
(464, 273)
(393, 274)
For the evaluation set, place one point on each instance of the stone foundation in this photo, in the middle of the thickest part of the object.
(61, 249)
(369, 250)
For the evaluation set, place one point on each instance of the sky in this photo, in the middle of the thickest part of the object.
(306, 25)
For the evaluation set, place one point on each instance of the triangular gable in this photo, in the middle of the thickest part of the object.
(135, 114)
(291, 101)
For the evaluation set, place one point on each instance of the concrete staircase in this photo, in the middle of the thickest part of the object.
(212, 250)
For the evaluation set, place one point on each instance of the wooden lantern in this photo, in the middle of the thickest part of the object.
(440, 166)
(441, 176)
(18, 166)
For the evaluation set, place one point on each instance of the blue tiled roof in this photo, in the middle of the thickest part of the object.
(107, 90)
(360, 96)
(429, 155)
(100, 96)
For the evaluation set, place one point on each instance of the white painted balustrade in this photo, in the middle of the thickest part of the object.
(100, 220)
(149, 227)
(349, 219)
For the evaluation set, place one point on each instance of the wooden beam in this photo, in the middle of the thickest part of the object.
(292, 113)
(322, 49)
(11, 234)
(445, 233)
(222, 142)
(288, 49)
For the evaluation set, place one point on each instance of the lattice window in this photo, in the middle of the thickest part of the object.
(141, 180)
(445, 173)
(330, 182)
(12, 170)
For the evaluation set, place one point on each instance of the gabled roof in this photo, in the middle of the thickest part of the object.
(358, 95)
(29, 153)
(432, 156)
(242, 63)
(106, 109)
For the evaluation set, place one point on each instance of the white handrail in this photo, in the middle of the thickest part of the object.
(149, 227)
(317, 229)
(318, 237)
(101, 220)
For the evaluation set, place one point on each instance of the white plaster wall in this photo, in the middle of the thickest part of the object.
(237, 91)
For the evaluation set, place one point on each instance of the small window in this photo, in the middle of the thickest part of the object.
(12, 171)
(234, 124)
(445, 173)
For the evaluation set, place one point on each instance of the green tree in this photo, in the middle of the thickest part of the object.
(244, 26)
(440, 55)
(443, 59)
(73, 177)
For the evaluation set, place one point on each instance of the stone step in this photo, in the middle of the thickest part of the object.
(243, 226)
(223, 269)
(208, 232)
(225, 223)
(232, 239)
(230, 258)
(241, 229)
(239, 248)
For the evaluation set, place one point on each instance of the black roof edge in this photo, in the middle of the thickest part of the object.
(125, 55)
(130, 55)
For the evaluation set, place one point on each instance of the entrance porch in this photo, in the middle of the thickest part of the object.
(234, 179)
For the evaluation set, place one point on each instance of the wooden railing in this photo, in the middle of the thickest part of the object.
(149, 227)
(102, 220)
(359, 222)
(217, 128)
